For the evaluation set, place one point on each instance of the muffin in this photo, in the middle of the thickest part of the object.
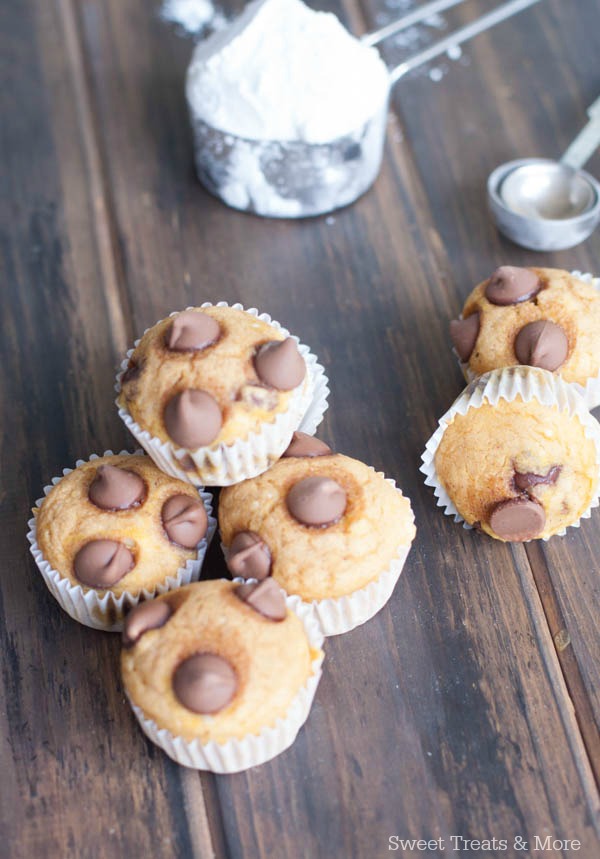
(114, 531)
(330, 530)
(541, 317)
(214, 393)
(221, 675)
(517, 456)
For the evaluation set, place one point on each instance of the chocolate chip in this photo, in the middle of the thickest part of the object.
(193, 418)
(518, 519)
(184, 520)
(116, 488)
(303, 445)
(248, 556)
(526, 480)
(192, 331)
(102, 563)
(143, 617)
(464, 333)
(132, 372)
(542, 344)
(511, 285)
(204, 683)
(280, 364)
(265, 597)
(316, 501)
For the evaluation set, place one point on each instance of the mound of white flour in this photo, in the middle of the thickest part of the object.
(284, 72)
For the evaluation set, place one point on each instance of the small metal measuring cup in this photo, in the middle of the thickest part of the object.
(294, 179)
(548, 205)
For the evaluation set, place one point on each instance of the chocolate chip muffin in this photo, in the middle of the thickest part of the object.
(327, 528)
(540, 317)
(216, 662)
(517, 456)
(118, 526)
(214, 393)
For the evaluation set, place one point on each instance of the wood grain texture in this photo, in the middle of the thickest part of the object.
(451, 712)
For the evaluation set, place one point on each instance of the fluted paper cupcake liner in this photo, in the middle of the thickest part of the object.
(106, 611)
(227, 464)
(590, 391)
(342, 614)
(250, 751)
(530, 383)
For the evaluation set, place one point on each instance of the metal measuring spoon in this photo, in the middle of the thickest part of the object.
(548, 205)
(295, 179)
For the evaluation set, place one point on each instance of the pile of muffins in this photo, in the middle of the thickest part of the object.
(517, 455)
(221, 674)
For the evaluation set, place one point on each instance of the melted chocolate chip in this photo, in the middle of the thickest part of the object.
(145, 616)
(526, 480)
(265, 597)
(512, 285)
(317, 501)
(132, 372)
(518, 519)
(116, 488)
(192, 331)
(279, 364)
(304, 445)
(464, 334)
(542, 344)
(248, 556)
(102, 563)
(193, 418)
(184, 520)
(204, 683)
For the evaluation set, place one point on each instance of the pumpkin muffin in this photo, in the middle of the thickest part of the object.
(219, 661)
(517, 456)
(326, 527)
(116, 525)
(540, 317)
(214, 393)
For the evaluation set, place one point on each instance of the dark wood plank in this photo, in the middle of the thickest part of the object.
(448, 714)
(77, 778)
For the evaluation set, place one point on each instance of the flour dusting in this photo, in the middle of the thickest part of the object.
(192, 17)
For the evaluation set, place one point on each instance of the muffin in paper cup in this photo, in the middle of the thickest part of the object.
(101, 608)
(336, 616)
(223, 463)
(254, 748)
(554, 411)
(590, 390)
(342, 565)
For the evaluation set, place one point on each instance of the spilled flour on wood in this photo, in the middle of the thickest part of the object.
(192, 17)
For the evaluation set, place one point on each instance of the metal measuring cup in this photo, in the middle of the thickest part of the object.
(295, 179)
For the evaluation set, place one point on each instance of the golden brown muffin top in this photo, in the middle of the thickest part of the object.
(329, 524)
(210, 376)
(136, 547)
(548, 318)
(218, 653)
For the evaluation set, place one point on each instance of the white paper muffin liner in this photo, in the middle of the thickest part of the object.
(225, 465)
(236, 755)
(590, 391)
(336, 616)
(530, 383)
(106, 612)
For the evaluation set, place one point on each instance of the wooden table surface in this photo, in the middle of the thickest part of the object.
(469, 706)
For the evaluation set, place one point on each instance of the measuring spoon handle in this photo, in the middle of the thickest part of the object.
(586, 142)
(501, 13)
